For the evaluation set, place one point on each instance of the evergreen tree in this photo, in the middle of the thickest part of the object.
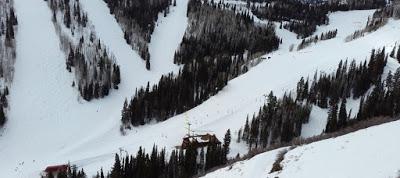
(332, 124)
(202, 161)
(239, 136)
(2, 116)
(398, 54)
(227, 141)
(342, 114)
(116, 170)
(246, 130)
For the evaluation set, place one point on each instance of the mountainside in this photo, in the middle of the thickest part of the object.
(351, 155)
(50, 122)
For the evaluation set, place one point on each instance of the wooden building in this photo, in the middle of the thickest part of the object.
(199, 141)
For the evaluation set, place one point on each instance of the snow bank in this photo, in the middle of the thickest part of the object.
(368, 153)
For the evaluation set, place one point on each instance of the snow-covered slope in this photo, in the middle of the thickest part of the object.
(368, 153)
(47, 118)
(48, 124)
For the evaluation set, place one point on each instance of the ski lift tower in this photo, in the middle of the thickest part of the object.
(188, 124)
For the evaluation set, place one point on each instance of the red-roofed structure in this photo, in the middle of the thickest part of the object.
(56, 169)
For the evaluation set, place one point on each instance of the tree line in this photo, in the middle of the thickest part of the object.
(328, 91)
(96, 71)
(303, 18)
(314, 39)
(384, 99)
(212, 54)
(180, 164)
(395, 53)
(280, 120)
(3, 106)
(137, 19)
(8, 29)
(352, 80)
(356, 82)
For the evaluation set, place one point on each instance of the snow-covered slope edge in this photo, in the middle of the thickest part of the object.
(368, 153)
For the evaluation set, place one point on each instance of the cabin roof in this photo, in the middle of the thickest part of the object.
(54, 168)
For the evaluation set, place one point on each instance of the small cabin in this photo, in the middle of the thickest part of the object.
(199, 141)
(55, 169)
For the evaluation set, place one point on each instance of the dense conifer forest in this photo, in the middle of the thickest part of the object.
(303, 18)
(349, 81)
(8, 30)
(210, 60)
(137, 19)
(95, 69)
(280, 120)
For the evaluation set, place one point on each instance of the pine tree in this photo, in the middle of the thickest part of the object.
(190, 162)
(227, 141)
(398, 54)
(246, 130)
(2, 116)
(342, 122)
(360, 114)
(101, 173)
(239, 136)
(202, 162)
(62, 174)
(393, 52)
(116, 170)
(332, 117)
(67, 14)
(148, 64)
(125, 113)
(116, 76)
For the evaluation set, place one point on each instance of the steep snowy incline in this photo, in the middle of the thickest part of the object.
(40, 91)
(167, 37)
(48, 118)
(165, 40)
(50, 125)
(368, 153)
(245, 94)
(133, 71)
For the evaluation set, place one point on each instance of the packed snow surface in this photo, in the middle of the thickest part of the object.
(49, 124)
(368, 153)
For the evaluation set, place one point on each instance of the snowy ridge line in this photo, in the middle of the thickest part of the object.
(299, 141)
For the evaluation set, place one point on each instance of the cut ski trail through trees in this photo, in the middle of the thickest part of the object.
(48, 124)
